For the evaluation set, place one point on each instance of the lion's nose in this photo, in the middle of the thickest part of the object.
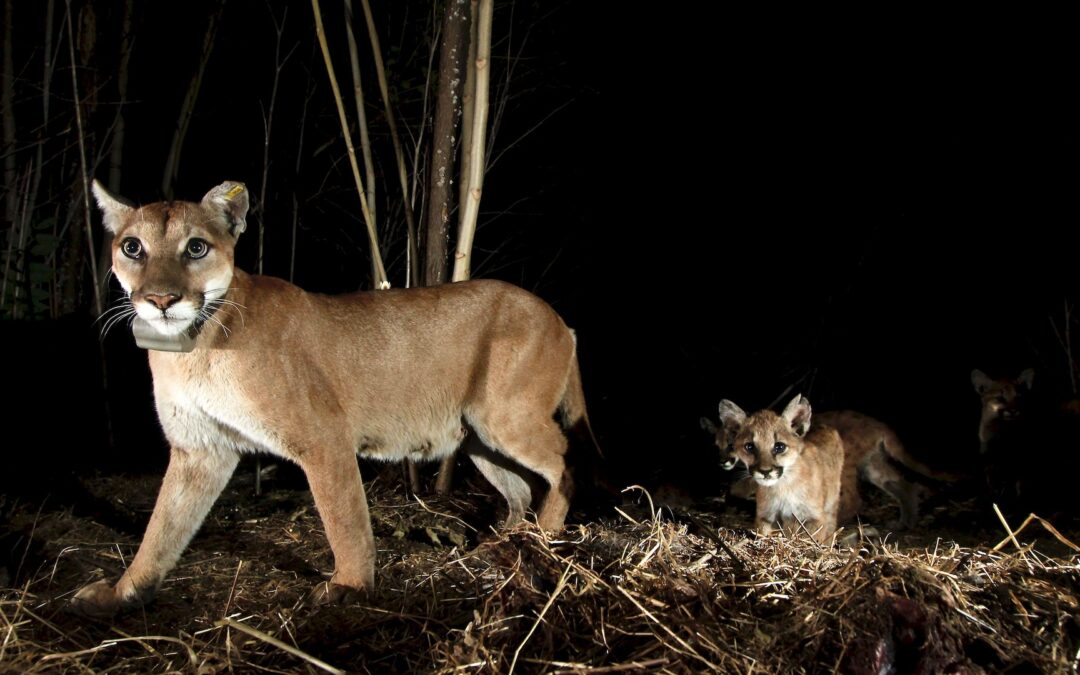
(162, 302)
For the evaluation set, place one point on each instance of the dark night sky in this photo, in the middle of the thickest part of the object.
(864, 206)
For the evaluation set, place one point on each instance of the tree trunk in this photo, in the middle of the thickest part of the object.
(472, 151)
(471, 208)
(452, 57)
(468, 105)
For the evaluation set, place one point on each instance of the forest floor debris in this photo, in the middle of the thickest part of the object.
(639, 588)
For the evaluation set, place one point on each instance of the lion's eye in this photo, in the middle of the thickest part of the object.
(197, 248)
(132, 248)
(751, 448)
(779, 449)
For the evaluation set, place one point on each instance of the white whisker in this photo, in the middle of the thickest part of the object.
(206, 316)
(112, 310)
(126, 313)
(218, 303)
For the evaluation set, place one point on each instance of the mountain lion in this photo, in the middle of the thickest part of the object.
(797, 469)
(872, 452)
(1027, 444)
(317, 379)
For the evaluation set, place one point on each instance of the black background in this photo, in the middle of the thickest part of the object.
(861, 206)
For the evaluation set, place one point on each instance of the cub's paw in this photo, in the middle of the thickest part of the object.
(98, 600)
(329, 593)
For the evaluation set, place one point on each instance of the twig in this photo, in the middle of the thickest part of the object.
(361, 113)
(399, 155)
(649, 615)
(232, 589)
(1050, 528)
(1005, 524)
(649, 665)
(440, 514)
(115, 641)
(244, 628)
(82, 163)
(373, 237)
(717, 540)
(551, 600)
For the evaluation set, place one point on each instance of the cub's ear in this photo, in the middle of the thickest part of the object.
(797, 414)
(981, 381)
(230, 201)
(1027, 378)
(113, 209)
(707, 425)
(731, 415)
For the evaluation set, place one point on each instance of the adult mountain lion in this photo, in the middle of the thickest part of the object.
(317, 379)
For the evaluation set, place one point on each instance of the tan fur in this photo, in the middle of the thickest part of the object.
(315, 379)
(868, 446)
(797, 468)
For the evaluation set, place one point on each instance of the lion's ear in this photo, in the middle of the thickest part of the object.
(707, 425)
(797, 414)
(731, 415)
(229, 201)
(981, 381)
(113, 210)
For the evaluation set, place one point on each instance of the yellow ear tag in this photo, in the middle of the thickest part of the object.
(236, 189)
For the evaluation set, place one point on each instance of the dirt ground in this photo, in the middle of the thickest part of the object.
(667, 584)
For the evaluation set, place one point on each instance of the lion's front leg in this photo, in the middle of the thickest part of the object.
(192, 484)
(334, 479)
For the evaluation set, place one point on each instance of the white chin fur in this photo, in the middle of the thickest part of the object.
(766, 482)
(729, 465)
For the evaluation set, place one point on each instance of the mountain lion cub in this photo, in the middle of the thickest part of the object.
(317, 379)
(872, 452)
(797, 468)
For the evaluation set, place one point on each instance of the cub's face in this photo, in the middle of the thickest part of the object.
(1003, 401)
(769, 444)
(175, 260)
(725, 442)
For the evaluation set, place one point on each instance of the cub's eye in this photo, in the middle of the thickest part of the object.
(132, 248)
(751, 448)
(779, 449)
(197, 248)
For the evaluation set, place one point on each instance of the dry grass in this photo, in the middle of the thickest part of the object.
(629, 592)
